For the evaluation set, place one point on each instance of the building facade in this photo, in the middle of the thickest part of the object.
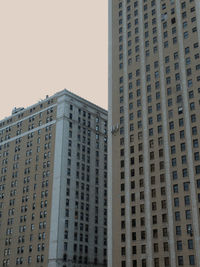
(53, 184)
(154, 133)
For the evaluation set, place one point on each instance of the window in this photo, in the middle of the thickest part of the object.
(189, 72)
(185, 35)
(182, 146)
(187, 200)
(160, 141)
(165, 34)
(182, 134)
(189, 83)
(158, 106)
(157, 84)
(162, 190)
(165, 246)
(187, 60)
(174, 175)
(175, 188)
(151, 132)
(187, 50)
(179, 245)
(191, 260)
(168, 80)
(156, 64)
(156, 262)
(178, 87)
(193, 118)
(188, 214)
(190, 244)
(161, 153)
(156, 249)
(195, 143)
(176, 202)
(181, 122)
(143, 235)
(159, 129)
(177, 216)
(198, 67)
(174, 162)
(171, 125)
(165, 232)
(134, 250)
(184, 159)
(194, 130)
(184, 173)
(173, 149)
(167, 59)
(186, 186)
(159, 117)
(150, 120)
(177, 76)
(196, 156)
(165, 44)
(178, 230)
(197, 169)
(172, 137)
(180, 260)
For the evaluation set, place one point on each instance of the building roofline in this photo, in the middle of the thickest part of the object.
(59, 93)
(79, 98)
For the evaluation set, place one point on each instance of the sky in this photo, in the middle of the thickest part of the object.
(49, 45)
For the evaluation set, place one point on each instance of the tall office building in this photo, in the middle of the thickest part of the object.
(53, 184)
(154, 114)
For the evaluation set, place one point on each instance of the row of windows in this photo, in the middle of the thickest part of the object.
(156, 247)
(180, 259)
(30, 126)
(81, 259)
(21, 114)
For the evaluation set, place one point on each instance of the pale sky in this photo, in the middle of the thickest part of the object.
(49, 45)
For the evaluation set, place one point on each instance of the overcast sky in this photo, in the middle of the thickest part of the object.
(49, 45)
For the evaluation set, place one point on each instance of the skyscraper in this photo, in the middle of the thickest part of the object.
(53, 184)
(154, 117)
